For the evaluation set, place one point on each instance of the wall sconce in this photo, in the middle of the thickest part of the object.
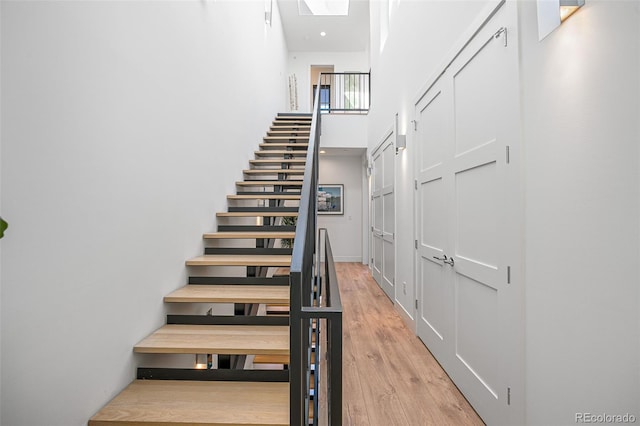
(568, 7)
(551, 13)
(401, 143)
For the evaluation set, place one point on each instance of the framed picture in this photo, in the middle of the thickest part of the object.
(330, 199)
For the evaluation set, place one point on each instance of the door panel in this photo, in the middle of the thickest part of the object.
(433, 313)
(475, 86)
(377, 219)
(433, 130)
(377, 257)
(477, 211)
(377, 171)
(377, 215)
(476, 331)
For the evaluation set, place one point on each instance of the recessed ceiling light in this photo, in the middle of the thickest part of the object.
(323, 34)
(323, 152)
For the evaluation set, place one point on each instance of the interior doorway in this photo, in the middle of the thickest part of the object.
(325, 91)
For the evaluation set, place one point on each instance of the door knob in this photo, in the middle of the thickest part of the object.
(445, 259)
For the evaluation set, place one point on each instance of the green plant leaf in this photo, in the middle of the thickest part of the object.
(3, 226)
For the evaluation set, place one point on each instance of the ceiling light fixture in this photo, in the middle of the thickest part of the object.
(322, 34)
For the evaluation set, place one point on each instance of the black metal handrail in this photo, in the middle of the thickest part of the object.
(344, 92)
(305, 309)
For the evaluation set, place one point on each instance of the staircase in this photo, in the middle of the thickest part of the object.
(238, 391)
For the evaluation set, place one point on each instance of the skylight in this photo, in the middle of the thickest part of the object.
(323, 7)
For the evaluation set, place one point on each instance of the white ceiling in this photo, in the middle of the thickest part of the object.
(344, 33)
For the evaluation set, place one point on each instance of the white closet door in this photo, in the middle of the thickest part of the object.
(383, 212)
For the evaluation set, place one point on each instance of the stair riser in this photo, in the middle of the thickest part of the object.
(264, 209)
(266, 194)
(213, 375)
(247, 250)
(238, 280)
(227, 320)
(266, 228)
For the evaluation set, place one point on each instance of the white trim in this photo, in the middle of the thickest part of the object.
(406, 317)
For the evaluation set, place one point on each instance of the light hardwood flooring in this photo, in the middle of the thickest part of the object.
(390, 378)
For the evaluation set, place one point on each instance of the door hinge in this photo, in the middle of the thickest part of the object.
(508, 396)
(416, 244)
(508, 154)
(372, 260)
(372, 229)
(508, 274)
(415, 125)
(416, 303)
(415, 183)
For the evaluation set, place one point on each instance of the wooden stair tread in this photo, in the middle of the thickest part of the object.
(248, 235)
(240, 260)
(262, 197)
(230, 294)
(188, 403)
(270, 183)
(257, 214)
(276, 359)
(285, 138)
(284, 145)
(274, 171)
(269, 152)
(216, 339)
(271, 359)
(292, 127)
(277, 160)
(286, 132)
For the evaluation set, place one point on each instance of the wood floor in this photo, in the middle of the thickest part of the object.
(390, 378)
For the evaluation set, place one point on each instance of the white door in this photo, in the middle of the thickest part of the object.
(433, 140)
(383, 212)
(467, 127)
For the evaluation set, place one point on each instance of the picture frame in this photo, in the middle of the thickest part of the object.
(331, 199)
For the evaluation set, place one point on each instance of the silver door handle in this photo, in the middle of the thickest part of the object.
(448, 261)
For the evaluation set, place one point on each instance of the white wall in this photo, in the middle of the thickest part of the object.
(421, 34)
(345, 231)
(580, 110)
(299, 63)
(124, 125)
(344, 131)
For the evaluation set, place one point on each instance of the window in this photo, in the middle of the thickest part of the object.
(325, 97)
